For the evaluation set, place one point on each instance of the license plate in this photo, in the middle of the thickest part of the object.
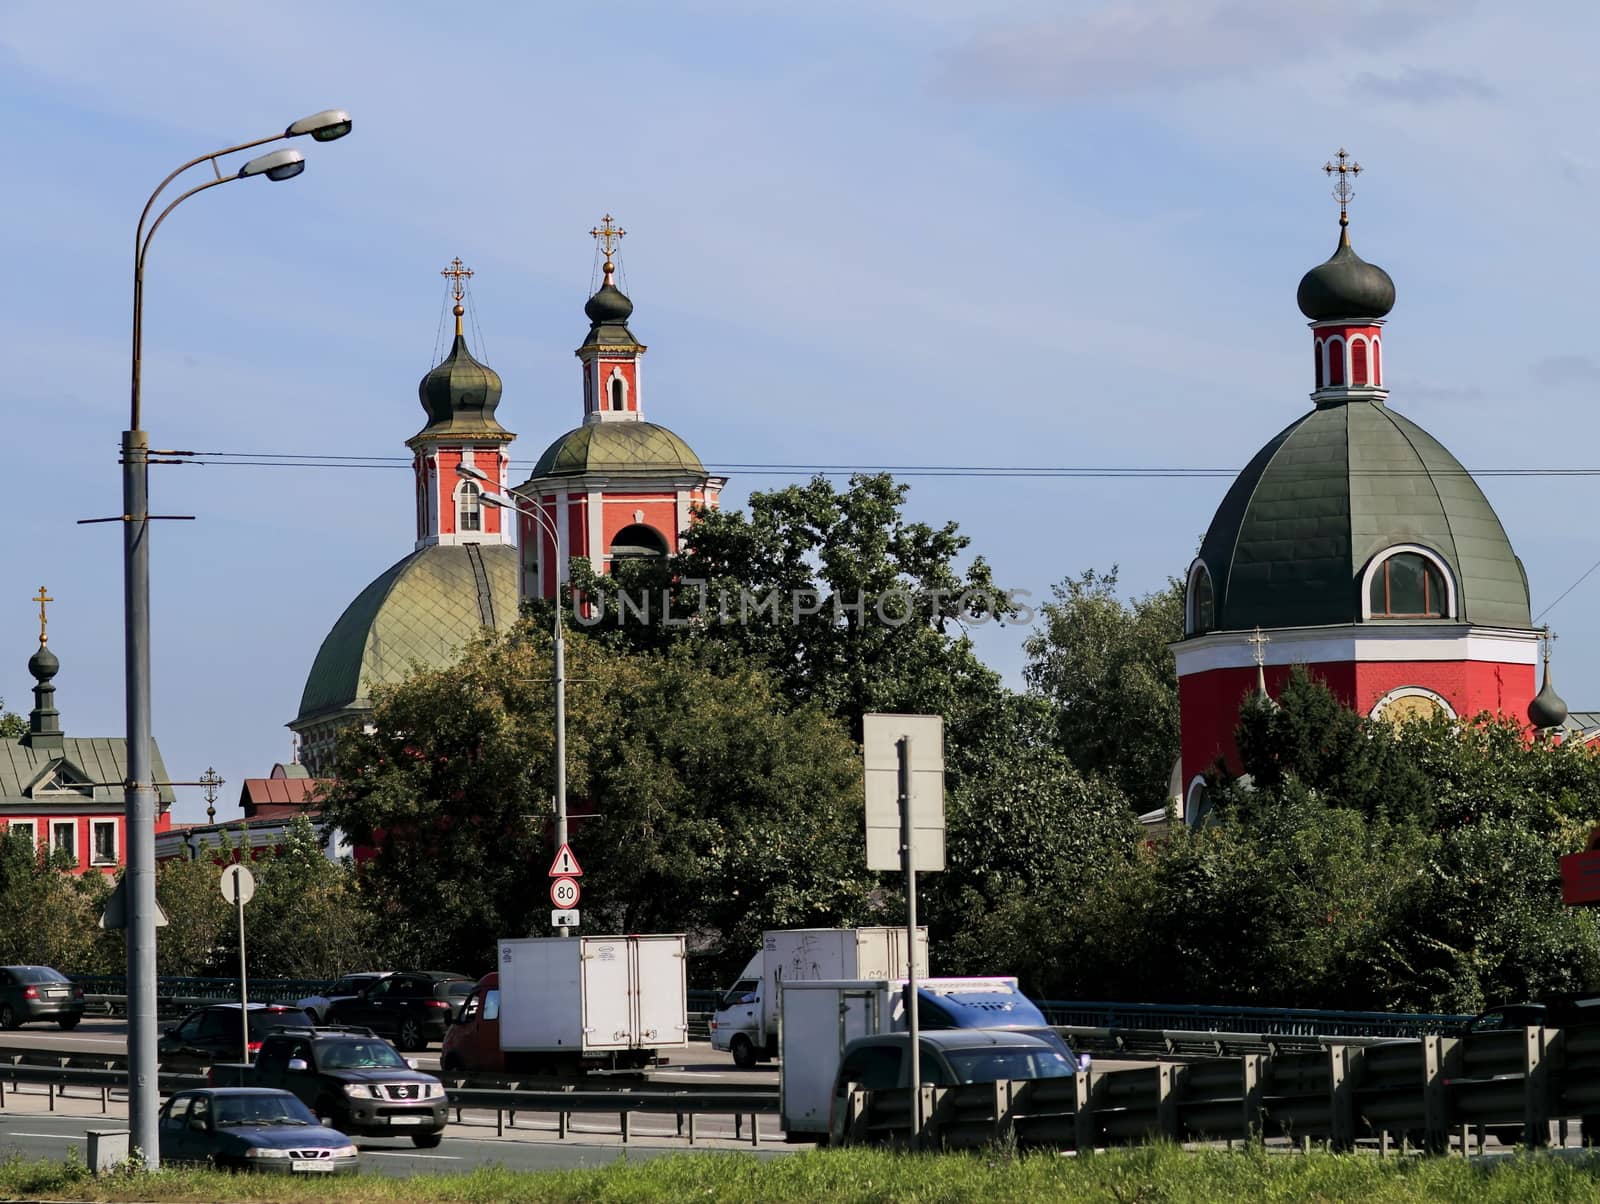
(310, 1166)
(409, 1120)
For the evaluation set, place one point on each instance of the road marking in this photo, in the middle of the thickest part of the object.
(61, 1137)
(375, 1153)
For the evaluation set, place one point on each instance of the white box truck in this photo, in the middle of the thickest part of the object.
(746, 1020)
(821, 1017)
(591, 1002)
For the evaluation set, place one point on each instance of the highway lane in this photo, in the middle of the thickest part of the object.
(51, 1135)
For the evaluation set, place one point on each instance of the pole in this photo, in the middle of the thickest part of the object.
(908, 859)
(561, 733)
(244, 990)
(140, 801)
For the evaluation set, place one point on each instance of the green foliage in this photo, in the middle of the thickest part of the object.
(864, 1176)
(703, 802)
(1105, 665)
(12, 724)
(48, 916)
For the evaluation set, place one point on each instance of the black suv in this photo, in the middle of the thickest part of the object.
(413, 1007)
(212, 1034)
(351, 1078)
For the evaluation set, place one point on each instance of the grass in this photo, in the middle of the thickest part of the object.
(1148, 1175)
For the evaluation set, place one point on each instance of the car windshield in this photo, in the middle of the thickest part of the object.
(358, 1055)
(352, 986)
(38, 974)
(461, 989)
(260, 1110)
(745, 986)
(992, 1063)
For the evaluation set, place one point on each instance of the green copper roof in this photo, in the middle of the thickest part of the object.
(1294, 534)
(640, 449)
(422, 609)
(26, 773)
(459, 396)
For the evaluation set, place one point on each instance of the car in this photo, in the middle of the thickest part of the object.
(1561, 1011)
(411, 1007)
(950, 1057)
(30, 993)
(213, 1033)
(251, 1128)
(350, 1077)
(347, 987)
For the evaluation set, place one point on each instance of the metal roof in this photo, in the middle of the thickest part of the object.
(81, 759)
(640, 449)
(1294, 533)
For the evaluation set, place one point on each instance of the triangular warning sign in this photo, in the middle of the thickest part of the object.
(565, 865)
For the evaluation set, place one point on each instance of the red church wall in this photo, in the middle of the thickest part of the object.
(1209, 701)
(659, 513)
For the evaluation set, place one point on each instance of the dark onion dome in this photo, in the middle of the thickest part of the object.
(1346, 286)
(1547, 709)
(608, 312)
(43, 664)
(460, 396)
(1298, 527)
(638, 449)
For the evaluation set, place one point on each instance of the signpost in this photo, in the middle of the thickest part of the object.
(904, 759)
(238, 888)
(564, 891)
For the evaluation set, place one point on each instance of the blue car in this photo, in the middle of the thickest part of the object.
(251, 1128)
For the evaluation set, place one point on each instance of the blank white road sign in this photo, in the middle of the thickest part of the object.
(880, 738)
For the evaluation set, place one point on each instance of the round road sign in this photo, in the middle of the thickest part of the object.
(238, 884)
(564, 892)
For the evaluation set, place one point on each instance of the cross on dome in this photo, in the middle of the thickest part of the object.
(1343, 170)
(44, 621)
(608, 234)
(460, 273)
(1259, 641)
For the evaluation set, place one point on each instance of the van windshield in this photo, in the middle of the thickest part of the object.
(745, 986)
(990, 1064)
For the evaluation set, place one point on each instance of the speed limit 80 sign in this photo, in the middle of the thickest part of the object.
(564, 892)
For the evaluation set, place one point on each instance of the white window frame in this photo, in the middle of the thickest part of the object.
(31, 824)
(1411, 692)
(463, 490)
(1451, 611)
(1191, 616)
(1192, 800)
(71, 825)
(94, 843)
(616, 378)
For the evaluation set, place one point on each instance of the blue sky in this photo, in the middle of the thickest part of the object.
(1051, 234)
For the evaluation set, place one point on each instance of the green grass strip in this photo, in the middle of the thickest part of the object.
(1147, 1175)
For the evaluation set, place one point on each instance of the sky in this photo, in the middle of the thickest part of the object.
(1009, 234)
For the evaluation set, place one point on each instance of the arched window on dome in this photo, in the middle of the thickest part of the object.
(1336, 351)
(1317, 353)
(619, 392)
(637, 542)
(469, 508)
(1409, 583)
(1202, 601)
(1377, 362)
(1358, 362)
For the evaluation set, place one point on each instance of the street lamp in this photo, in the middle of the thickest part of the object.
(139, 879)
(507, 502)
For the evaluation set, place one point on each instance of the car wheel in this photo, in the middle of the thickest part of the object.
(427, 1141)
(68, 1023)
(8, 1017)
(410, 1036)
(744, 1053)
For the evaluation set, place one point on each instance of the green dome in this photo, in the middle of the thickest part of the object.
(422, 609)
(1345, 286)
(1295, 533)
(639, 449)
(460, 396)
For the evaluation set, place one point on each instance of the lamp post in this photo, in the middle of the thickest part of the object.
(558, 636)
(141, 798)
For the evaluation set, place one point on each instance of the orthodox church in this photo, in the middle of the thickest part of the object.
(1354, 544)
(613, 487)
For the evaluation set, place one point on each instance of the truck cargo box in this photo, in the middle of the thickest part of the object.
(593, 994)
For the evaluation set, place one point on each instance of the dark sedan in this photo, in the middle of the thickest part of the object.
(251, 1128)
(38, 993)
(214, 1034)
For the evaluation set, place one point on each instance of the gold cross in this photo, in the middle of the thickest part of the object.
(41, 598)
(460, 273)
(1550, 638)
(1346, 169)
(1260, 641)
(609, 234)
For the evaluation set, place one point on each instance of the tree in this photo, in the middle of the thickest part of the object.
(12, 724)
(1106, 665)
(48, 916)
(708, 803)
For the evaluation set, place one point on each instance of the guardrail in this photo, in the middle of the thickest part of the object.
(1266, 1021)
(1511, 1084)
(1184, 1043)
(687, 1105)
